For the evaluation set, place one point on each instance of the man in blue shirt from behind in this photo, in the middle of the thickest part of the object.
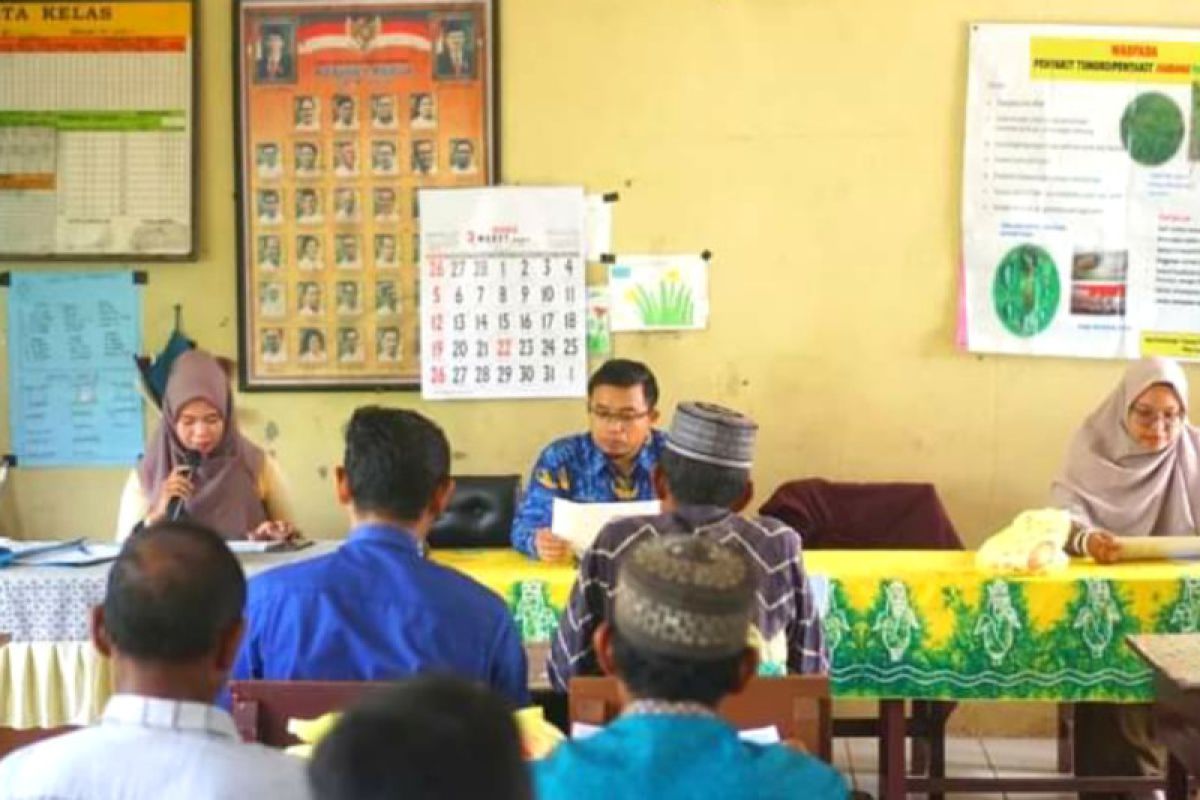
(377, 609)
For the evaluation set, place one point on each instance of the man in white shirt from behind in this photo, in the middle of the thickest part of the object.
(171, 623)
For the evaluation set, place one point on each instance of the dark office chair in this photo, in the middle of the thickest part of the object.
(480, 513)
(875, 516)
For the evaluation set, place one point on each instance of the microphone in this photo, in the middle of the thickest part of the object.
(191, 460)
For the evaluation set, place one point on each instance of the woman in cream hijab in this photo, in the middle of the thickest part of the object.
(1132, 469)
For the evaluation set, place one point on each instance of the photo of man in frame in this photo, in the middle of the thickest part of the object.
(455, 48)
(267, 161)
(308, 252)
(385, 250)
(349, 298)
(272, 301)
(383, 112)
(422, 112)
(424, 157)
(268, 204)
(306, 113)
(350, 346)
(272, 346)
(269, 253)
(345, 204)
(307, 160)
(312, 346)
(345, 113)
(384, 206)
(462, 157)
(308, 299)
(383, 157)
(308, 207)
(275, 53)
(346, 254)
(387, 302)
(345, 158)
(387, 344)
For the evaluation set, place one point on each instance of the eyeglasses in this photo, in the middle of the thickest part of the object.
(622, 418)
(1148, 417)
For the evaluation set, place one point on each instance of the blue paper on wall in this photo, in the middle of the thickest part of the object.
(73, 396)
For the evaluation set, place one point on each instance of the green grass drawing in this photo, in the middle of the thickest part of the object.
(670, 305)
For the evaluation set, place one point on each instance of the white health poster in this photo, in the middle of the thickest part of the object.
(1081, 192)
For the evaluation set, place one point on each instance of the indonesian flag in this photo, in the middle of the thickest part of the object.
(363, 33)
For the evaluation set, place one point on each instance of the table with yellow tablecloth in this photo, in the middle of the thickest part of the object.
(928, 625)
(536, 592)
(898, 624)
(50, 675)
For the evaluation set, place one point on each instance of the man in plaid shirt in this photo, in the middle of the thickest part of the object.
(703, 478)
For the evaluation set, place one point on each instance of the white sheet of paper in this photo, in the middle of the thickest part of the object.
(599, 227)
(1158, 548)
(581, 730)
(248, 546)
(579, 523)
(767, 735)
(81, 555)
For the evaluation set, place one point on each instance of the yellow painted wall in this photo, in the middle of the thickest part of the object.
(813, 145)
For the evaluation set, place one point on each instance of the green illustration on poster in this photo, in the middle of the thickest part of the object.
(1152, 129)
(1026, 290)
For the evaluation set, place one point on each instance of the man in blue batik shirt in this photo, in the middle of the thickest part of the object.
(377, 609)
(610, 463)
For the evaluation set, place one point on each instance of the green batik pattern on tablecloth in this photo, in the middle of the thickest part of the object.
(1182, 616)
(990, 643)
(535, 615)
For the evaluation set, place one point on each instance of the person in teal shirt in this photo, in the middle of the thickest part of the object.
(677, 644)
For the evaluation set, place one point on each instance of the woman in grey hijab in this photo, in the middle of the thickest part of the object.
(1132, 469)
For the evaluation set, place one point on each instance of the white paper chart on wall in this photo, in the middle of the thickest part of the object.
(503, 297)
(97, 130)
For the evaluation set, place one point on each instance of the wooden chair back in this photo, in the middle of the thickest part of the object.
(262, 709)
(798, 706)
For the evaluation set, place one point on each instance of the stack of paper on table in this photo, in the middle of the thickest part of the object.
(245, 546)
(579, 523)
(1154, 548)
(69, 553)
